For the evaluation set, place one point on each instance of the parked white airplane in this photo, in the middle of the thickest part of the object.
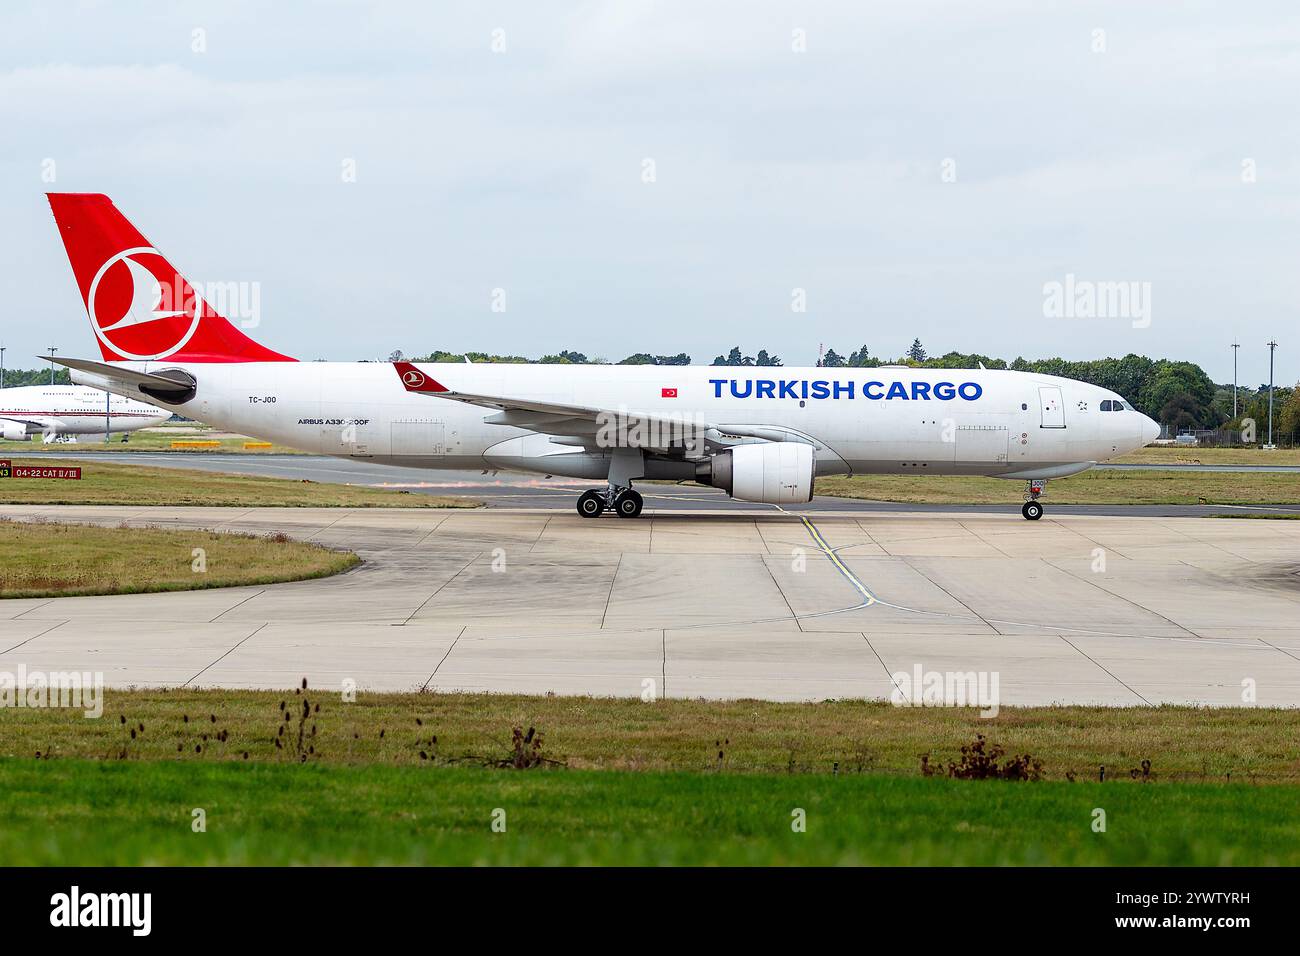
(53, 411)
(761, 434)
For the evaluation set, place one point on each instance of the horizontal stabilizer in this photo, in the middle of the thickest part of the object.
(172, 386)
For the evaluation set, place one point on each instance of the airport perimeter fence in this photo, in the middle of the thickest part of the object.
(1232, 438)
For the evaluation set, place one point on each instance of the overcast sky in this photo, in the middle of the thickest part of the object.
(919, 169)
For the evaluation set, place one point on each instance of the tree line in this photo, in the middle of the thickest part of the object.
(14, 377)
(563, 357)
(1179, 395)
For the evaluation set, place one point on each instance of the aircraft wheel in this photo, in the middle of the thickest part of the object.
(1032, 510)
(591, 504)
(628, 504)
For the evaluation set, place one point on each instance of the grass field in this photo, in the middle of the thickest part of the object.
(50, 560)
(152, 440)
(113, 484)
(86, 813)
(1266, 517)
(1174, 455)
(1191, 744)
(415, 778)
(160, 438)
(1090, 488)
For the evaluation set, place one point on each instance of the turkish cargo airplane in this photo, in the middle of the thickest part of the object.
(53, 411)
(760, 434)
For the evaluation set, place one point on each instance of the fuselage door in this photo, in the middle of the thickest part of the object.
(1052, 405)
(419, 438)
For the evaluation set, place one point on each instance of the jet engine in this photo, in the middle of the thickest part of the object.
(775, 473)
(14, 431)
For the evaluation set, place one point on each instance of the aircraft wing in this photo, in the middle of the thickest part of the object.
(591, 426)
(586, 424)
(33, 424)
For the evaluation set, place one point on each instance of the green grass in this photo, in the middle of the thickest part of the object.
(1271, 516)
(80, 812)
(108, 483)
(153, 440)
(671, 782)
(51, 560)
(1184, 743)
(1092, 487)
(1174, 455)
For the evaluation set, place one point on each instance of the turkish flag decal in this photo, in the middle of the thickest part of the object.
(667, 393)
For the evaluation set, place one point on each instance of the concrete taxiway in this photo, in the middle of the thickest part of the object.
(747, 602)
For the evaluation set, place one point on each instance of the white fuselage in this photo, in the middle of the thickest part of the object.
(54, 410)
(889, 420)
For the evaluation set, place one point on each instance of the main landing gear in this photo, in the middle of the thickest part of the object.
(624, 502)
(618, 497)
(1033, 508)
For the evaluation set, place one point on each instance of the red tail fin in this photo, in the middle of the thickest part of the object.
(140, 307)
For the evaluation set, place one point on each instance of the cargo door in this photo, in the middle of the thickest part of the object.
(422, 437)
(985, 444)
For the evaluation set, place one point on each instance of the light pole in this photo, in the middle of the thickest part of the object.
(53, 349)
(1235, 347)
(1271, 346)
(2, 366)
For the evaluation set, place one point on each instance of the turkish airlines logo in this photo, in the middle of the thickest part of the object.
(667, 393)
(140, 308)
(413, 380)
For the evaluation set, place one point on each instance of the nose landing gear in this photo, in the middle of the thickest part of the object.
(1033, 508)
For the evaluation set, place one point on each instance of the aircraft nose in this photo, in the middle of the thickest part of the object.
(1150, 430)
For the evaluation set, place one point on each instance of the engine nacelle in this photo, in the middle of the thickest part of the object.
(14, 431)
(775, 473)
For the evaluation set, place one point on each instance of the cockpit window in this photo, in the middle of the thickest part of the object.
(1106, 405)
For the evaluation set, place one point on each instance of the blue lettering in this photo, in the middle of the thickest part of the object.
(822, 389)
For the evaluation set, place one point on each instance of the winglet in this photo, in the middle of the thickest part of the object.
(413, 380)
